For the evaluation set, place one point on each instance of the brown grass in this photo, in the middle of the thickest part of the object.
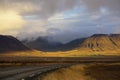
(72, 53)
(86, 72)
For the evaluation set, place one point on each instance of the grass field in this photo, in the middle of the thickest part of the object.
(93, 71)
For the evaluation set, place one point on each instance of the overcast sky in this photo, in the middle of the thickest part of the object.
(62, 20)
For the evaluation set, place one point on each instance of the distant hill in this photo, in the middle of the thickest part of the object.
(72, 44)
(10, 44)
(42, 44)
(101, 42)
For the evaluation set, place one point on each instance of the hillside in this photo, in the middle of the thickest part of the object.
(72, 44)
(10, 44)
(45, 45)
(101, 42)
(42, 44)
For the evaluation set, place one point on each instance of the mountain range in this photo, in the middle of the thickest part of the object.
(97, 44)
(42, 44)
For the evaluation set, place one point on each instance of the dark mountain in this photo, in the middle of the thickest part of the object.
(72, 44)
(102, 42)
(10, 44)
(42, 44)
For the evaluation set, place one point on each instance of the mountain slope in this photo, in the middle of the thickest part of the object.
(42, 44)
(115, 38)
(101, 42)
(10, 44)
(72, 44)
(45, 45)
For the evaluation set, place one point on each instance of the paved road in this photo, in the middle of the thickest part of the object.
(24, 72)
(21, 73)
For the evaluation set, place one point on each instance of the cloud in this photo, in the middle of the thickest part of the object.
(10, 20)
(44, 8)
(14, 13)
(64, 20)
(96, 5)
(19, 6)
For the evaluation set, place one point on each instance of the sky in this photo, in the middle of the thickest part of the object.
(59, 20)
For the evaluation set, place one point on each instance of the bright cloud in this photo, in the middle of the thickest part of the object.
(10, 20)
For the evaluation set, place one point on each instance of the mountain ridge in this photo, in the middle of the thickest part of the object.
(101, 42)
(96, 42)
(11, 44)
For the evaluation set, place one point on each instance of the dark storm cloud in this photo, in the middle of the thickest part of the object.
(63, 20)
(113, 5)
(44, 8)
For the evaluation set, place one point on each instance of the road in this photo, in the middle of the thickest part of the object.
(28, 72)
(20, 73)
